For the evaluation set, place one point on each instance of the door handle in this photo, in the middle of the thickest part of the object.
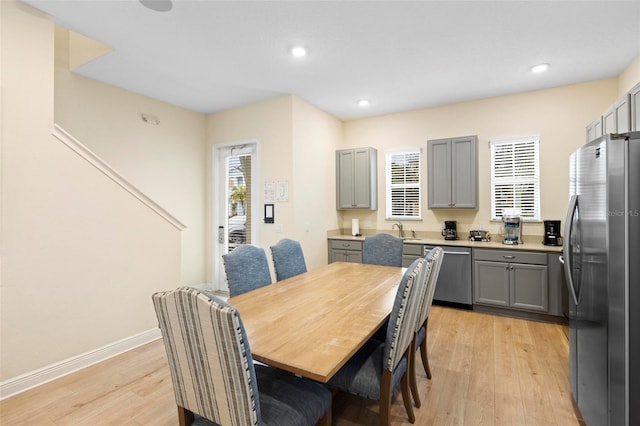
(566, 246)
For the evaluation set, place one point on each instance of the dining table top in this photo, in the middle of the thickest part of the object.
(313, 323)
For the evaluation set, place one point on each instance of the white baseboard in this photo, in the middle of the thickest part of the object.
(41, 376)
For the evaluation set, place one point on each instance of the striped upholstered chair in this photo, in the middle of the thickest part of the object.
(434, 261)
(382, 249)
(214, 377)
(437, 255)
(246, 268)
(288, 259)
(377, 369)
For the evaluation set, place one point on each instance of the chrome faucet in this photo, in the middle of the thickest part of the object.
(400, 230)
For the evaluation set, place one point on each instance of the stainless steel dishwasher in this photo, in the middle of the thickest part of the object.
(454, 282)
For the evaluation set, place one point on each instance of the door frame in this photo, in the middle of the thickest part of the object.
(217, 193)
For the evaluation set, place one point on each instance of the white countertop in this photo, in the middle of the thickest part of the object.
(527, 246)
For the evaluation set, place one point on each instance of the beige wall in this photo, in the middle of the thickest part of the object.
(316, 136)
(558, 116)
(80, 256)
(629, 77)
(297, 143)
(166, 161)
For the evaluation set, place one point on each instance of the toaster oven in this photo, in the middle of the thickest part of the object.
(479, 235)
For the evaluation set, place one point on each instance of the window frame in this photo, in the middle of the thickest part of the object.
(389, 185)
(534, 179)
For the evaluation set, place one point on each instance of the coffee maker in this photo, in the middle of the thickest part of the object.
(511, 227)
(450, 232)
(552, 233)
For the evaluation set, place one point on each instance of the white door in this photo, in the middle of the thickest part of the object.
(235, 202)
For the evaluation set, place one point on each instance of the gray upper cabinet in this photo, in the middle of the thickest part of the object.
(634, 103)
(452, 173)
(356, 178)
(617, 118)
(621, 117)
(594, 130)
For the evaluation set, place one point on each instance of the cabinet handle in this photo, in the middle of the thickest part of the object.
(345, 244)
(509, 257)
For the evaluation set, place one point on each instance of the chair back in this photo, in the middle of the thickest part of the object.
(288, 259)
(382, 249)
(209, 357)
(246, 268)
(434, 257)
(403, 316)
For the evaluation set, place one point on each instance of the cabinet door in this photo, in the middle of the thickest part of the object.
(344, 179)
(439, 173)
(528, 287)
(616, 119)
(337, 256)
(491, 283)
(634, 101)
(464, 177)
(353, 256)
(362, 178)
(594, 130)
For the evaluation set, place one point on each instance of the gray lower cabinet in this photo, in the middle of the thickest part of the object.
(411, 252)
(356, 178)
(345, 251)
(511, 279)
(452, 168)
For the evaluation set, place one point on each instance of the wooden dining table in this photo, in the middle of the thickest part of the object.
(313, 323)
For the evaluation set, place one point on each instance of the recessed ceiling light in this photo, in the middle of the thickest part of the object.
(539, 68)
(157, 5)
(363, 102)
(299, 51)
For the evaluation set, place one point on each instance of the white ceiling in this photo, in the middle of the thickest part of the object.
(209, 56)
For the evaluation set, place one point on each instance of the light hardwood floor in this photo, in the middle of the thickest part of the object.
(487, 370)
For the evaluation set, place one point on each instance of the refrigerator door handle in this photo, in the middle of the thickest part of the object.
(573, 206)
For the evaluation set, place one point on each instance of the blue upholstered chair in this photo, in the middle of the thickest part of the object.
(434, 260)
(382, 249)
(214, 377)
(288, 259)
(246, 268)
(379, 368)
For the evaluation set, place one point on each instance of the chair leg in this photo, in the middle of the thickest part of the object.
(185, 417)
(326, 419)
(386, 385)
(406, 396)
(423, 352)
(411, 371)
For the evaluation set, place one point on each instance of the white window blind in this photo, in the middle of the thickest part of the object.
(515, 180)
(403, 185)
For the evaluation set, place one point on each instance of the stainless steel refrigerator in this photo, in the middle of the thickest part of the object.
(602, 265)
